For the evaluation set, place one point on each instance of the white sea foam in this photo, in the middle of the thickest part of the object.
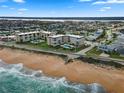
(18, 70)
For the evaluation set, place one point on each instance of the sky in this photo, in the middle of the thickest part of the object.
(62, 8)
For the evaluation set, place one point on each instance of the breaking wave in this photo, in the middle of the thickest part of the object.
(15, 78)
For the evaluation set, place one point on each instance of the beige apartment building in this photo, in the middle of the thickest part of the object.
(56, 40)
(29, 36)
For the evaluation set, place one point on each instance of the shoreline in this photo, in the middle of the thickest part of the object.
(110, 78)
(70, 57)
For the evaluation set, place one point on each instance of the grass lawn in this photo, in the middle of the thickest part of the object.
(44, 46)
(116, 56)
(94, 52)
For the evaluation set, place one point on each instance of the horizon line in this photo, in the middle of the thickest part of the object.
(64, 18)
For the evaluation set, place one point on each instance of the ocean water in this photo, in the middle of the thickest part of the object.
(15, 78)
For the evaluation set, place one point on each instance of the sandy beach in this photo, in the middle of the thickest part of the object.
(110, 78)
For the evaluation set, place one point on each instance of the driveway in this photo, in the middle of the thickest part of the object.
(83, 52)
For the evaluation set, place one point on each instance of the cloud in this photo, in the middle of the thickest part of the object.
(20, 13)
(85, 0)
(103, 9)
(22, 9)
(109, 2)
(4, 6)
(19, 1)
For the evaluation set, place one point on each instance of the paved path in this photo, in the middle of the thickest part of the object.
(83, 52)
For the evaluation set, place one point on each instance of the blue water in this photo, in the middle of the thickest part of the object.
(15, 78)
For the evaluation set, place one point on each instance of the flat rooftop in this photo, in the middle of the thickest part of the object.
(74, 36)
(26, 33)
(56, 36)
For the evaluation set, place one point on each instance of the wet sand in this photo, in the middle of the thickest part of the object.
(80, 72)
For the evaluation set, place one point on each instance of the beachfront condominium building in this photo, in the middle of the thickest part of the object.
(56, 40)
(45, 34)
(29, 36)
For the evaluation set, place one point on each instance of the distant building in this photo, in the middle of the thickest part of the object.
(29, 36)
(7, 38)
(107, 48)
(61, 39)
(117, 45)
(95, 35)
(120, 39)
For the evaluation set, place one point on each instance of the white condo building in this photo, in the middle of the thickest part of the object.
(61, 39)
(29, 36)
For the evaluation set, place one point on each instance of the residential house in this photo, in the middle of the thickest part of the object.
(107, 48)
(94, 36)
(117, 45)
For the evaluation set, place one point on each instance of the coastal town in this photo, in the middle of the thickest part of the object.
(61, 46)
(86, 38)
(89, 53)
